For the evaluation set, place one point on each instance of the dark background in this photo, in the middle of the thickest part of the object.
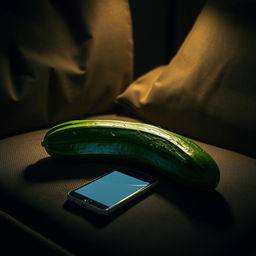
(159, 28)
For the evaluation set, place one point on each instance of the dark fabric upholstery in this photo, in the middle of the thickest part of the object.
(18, 237)
(59, 59)
(171, 220)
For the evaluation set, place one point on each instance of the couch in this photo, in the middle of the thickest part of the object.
(94, 80)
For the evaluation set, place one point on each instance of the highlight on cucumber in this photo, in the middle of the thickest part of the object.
(175, 156)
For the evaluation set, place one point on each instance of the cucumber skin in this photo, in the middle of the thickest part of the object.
(173, 155)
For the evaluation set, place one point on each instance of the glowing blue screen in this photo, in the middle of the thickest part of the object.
(112, 188)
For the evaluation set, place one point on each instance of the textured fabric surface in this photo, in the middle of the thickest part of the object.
(20, 235)
(60, 60)
(208, 90)
(170, 220)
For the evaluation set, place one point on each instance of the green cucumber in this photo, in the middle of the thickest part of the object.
(174, 155)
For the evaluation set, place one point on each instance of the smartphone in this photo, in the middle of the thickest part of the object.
(112, 190)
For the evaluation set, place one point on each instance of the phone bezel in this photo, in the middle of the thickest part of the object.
(100, 208)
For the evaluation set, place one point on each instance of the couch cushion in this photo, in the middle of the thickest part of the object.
(170, 220)
(61, 60)
(208, 89)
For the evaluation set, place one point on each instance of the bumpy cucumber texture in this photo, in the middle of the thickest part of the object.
(174, 155)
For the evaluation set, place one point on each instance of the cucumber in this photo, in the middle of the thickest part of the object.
(172, 154)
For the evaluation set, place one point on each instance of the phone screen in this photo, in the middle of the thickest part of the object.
(112, 188)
